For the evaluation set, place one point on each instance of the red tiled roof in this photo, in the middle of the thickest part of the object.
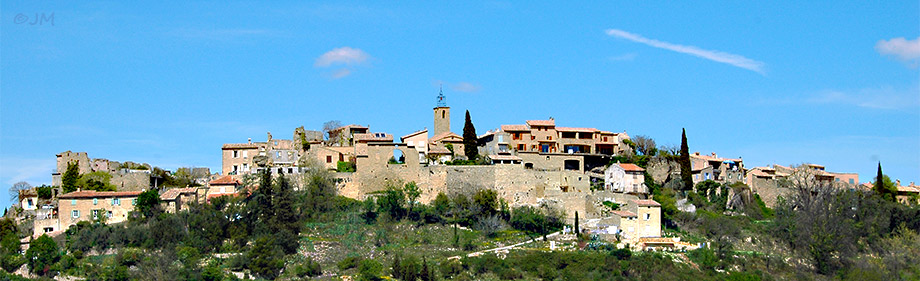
(573, 129)
(541, 122)
(171, 194)
(515, 128)
(224, 181)
(99, 194)
(444, 135)
(629, 167)
(647, 203)
(626, 214)
(413, 134)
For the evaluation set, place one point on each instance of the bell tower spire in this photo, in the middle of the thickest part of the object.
(441, 114)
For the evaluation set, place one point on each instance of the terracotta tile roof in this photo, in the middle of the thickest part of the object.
(625, 214)
(647, 203)
(368, 137)
(542, 122)
(629, 167)
(515, 128)
(413, 134)
(171, 194)
(437, 150)
(239, 145)
(444, 135)
(225, 180)
(908, 189)
(98, 194)
(574, 129)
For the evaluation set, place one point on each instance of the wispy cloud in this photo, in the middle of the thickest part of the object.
(717, 56)
(904, 50)
(33, 171)
(876, 98)
(341, 73)
(466, 87)
(623, 57)
(343, 55)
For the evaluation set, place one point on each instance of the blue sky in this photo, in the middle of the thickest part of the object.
(781, 82)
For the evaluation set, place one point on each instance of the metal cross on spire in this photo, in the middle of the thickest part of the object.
(442, 101)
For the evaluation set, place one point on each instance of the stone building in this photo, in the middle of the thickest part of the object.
(765, 181)
(178, 199)
(243, 158)
(126, 176)
(543, 136)
(89, 204)
(419, 141)
(223, 186)
(345, 135)
(625, 178)
(713, 167)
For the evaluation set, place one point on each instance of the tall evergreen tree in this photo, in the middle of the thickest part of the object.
(69, 180)
(470, 148)
(285, 216)
(576, 223)
(884, 186)
(684, 161)
(880, 180)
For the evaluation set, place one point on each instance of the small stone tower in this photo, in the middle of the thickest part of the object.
(441, 115)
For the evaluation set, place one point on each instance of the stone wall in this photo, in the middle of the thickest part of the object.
(131, 181)
(768, 190)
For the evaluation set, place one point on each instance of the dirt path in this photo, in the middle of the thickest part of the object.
(504, 248)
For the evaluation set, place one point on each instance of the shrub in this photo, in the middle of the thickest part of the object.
(349, 262)
(369, 270)
(345, 167)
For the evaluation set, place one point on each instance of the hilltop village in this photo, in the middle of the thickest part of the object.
(597, 179)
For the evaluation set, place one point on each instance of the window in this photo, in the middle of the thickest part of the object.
(605, 138)
(648, 216)
(75, 213)
(95, 214)
(236, 154)
(73, 202)
(442, 114)
(108, 214)
(236, 168)
(134, 201)
(48, 229)
(245, 167)
(95, 201)
(521, 147)
(29, 202)
(116, 202)
(533, 137)
(328, 158)
(501, 138)
(276, 143)
(851, 181)
(245, 154)
(549, 137)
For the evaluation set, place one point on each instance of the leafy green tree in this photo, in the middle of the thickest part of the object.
(470, 140)
(412, 193)
(70, 177)
(441, 204)
(684, 161)
(10, 259)
(148, 203)
(486, 200)
(392, 202)
(44, 191)
(42, 254)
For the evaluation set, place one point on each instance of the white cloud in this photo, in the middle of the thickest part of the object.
(876, 98)
(717, 56)
(466, 87)
(343, 55)
(903, 49)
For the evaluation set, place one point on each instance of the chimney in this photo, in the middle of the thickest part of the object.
(714, 155)
(897, 183)
(250, 140)
(696, 153)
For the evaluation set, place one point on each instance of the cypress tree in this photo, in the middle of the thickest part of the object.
(469, 139)
(684, 161)
(69, 180)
